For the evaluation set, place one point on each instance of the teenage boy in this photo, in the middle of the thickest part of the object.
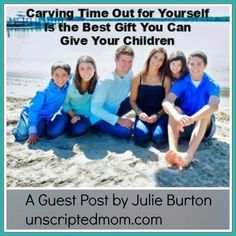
(194, 118)
(110, 100)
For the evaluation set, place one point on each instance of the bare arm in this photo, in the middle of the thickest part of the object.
(71, 113)
(133, 97)
(154, 117)
(167, 86)
(168, 105)
(180, 119)
(134, 94)
(208, 109)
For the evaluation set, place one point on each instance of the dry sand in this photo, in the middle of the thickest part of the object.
(98, 160)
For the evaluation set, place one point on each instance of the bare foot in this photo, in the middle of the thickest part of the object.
(181, 159)
(184, 159)
(171, 158)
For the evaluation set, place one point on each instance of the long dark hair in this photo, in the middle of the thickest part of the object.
(177, 56)
(147, 62)
(78, 78)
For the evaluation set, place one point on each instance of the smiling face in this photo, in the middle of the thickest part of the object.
(196, 67)
(123, 64)
(175, 68)
(59, 76)
(157, 60)
(86, 71)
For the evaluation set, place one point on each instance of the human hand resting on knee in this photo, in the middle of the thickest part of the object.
(152, 119)
(143, 117)
(182, 121)
(125, 122)
(74, 119)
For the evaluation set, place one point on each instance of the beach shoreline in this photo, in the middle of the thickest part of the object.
(98, 160)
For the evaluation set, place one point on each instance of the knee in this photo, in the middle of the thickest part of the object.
(204, 123)
(78, 130)
(58, 126)
(139, 135)
(160, 135)
(99, 126)
(141, 138)
(124, 133)
(173, 125)
(54, 132)
(21, 130)
(171, 119)
(178, 109)
(159, 139)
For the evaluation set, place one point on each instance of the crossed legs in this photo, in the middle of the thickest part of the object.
(182, 159)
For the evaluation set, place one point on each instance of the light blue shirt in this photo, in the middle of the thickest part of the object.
(78, 103)
(108, 95)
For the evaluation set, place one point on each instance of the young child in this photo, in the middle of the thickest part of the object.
(149, 88)
(176, 66)
(194, 118)
(78, 100)
(40, 116)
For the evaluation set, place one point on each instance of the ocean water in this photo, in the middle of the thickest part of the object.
(31, 52)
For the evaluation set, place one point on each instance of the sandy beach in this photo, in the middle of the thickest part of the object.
(98, 161)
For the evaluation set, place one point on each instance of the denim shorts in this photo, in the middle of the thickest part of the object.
(208, 135)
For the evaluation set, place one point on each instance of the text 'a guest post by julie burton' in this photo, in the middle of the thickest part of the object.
(58, 187)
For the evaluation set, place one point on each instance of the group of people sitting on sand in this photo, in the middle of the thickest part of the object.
(172, 98)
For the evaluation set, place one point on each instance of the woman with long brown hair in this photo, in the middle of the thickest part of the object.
(149, 88)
